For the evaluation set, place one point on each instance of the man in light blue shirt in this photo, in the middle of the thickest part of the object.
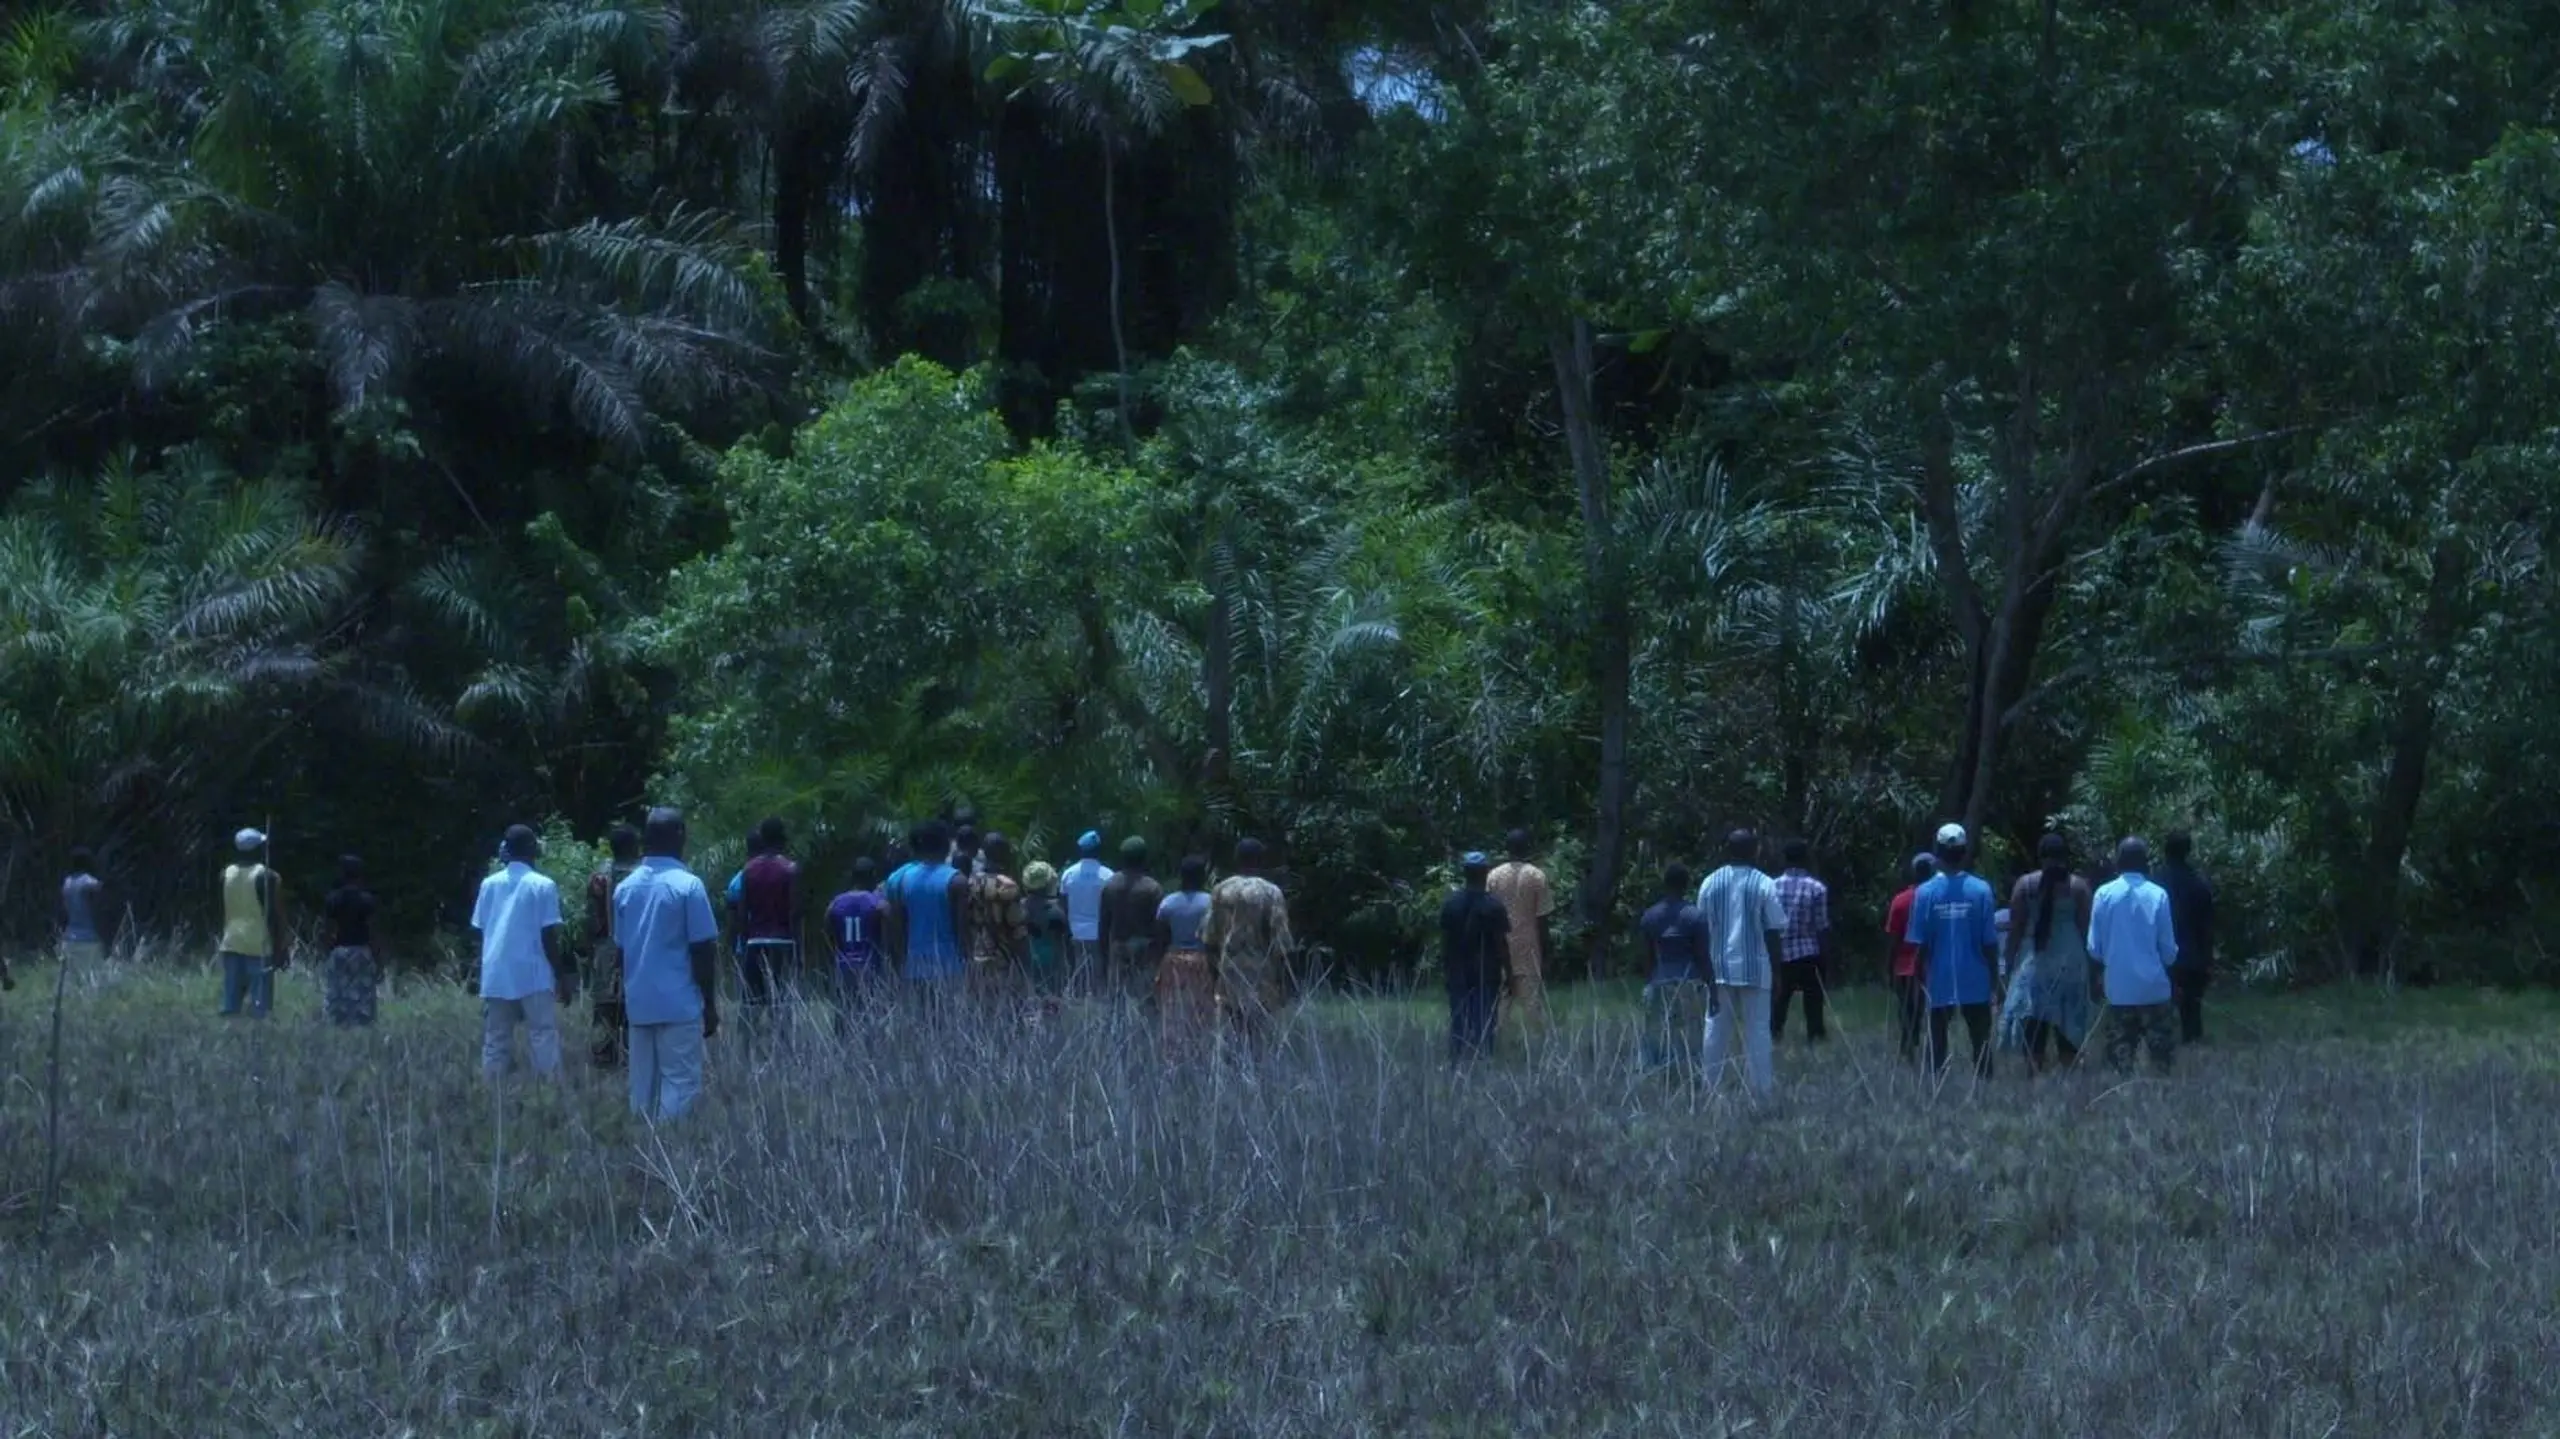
(2133, 943)
(522, 979)
(1080, 884)
(670, 970)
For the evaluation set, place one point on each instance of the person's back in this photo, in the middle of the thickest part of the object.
(349, 909)
(1474, 928)
(924, 896)
(853, 931)
(1185, 914)
(1081, 886)
(80, 892)
(766, 888)
(1952, 922)
(1675, 935)
(660, 911)
(244, 910)
(1738, 905)
(1130, 900)
(2131, 933)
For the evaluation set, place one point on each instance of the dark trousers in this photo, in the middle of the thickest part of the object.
(1910, 1007)
(613, 1037)
(768, 971)
(1472, 1002)
(1977, 1027)
(2041, 1036)
(1798, 976)
(2188, 983)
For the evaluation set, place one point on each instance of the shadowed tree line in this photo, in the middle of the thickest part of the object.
(1367, 425)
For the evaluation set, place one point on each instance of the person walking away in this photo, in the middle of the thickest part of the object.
(998, 926)
(769, 915)
(670, 947)
(2191, 908)
(1475, 955)
(252, 929)
(855, 920)
(1910, 995)
(1248, 944)
(1746, 928)
(1959, 950)
(1130, 900)
(604, 990)
(1524, 893)
(1044, 923)
(1186, 989)
(1081, 885)
(351, 977)
(1675, 990)
(522, 982)
(928, 915)
(1805, 953)
(2048, 961)
(2133, 939)
(84, 899)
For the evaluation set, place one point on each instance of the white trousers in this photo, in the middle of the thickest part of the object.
(1748, 1008)
(666, 1069)
(539, 1014)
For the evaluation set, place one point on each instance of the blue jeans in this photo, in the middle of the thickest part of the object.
(666, 1069)
(1675, 1024)
(246, 976)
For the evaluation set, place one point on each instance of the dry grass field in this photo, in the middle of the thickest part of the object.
(2343, 1218)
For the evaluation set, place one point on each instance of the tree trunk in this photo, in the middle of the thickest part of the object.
(2373, 909)
(1613, 643)
(794, 187)
(1111, 242)
(1218, 664)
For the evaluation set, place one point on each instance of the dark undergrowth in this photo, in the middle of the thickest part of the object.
(2341, 1225)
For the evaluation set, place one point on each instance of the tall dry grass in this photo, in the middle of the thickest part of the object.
(988, 1228)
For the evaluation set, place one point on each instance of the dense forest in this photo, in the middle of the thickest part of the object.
(1368, 424)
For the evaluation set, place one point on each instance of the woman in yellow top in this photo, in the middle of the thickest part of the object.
(252, 929)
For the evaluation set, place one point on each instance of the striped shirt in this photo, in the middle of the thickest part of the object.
(1740, 906)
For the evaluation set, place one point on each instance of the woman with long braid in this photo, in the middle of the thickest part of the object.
(2049, 1005)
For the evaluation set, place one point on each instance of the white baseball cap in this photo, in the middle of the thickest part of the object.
(1952, 836)
(248, 840)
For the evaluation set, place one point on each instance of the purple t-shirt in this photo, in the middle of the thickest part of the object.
(853, 929)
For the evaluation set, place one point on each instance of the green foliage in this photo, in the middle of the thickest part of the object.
(1848, 415)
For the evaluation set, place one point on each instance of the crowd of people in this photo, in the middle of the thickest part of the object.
(956, 922)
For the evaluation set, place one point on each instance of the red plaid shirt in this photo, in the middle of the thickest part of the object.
(1808, 906)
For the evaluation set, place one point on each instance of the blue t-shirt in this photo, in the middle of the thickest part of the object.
(1951, 920)
(1678, 937)
(923, 891)
(659, 914)
(1185, 913)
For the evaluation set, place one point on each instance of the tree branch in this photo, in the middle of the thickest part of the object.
(2168, 458)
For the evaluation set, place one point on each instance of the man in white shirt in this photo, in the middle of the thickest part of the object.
(1080, 884)
(2133, 944)
(521, 980)
(1745, 924)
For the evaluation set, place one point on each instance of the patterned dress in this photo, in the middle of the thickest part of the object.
(1522, 888)
(1248, 941)
(999, 928)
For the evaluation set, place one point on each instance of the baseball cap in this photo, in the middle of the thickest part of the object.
(248, 840)
(1952, 836)
(1090, 842)
(1474, 859)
